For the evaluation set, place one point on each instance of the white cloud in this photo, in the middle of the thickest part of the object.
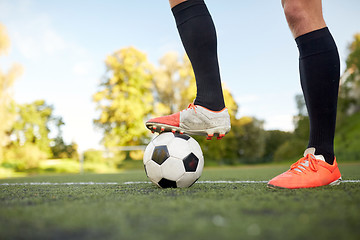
(249, 98)
(37, 38)
(52, 41)
(279, 122)
(82, 68)
(26, 45)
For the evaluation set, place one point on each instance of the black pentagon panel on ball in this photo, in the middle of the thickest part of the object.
(160, 154)
(165, 183)
(183, 136)
(191, 162)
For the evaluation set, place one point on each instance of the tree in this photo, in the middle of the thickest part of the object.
(167, 84)
(296, 144)
(30, 136)
(349, 97)
(347, 137)
(59, 148)
(274, 139)
(124, 98)
(4, 40)
(175, 85)
(32, 125)
(7, 115)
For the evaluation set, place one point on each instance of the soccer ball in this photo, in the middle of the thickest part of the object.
(173, 160)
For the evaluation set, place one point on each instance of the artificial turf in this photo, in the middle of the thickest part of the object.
(204, 211)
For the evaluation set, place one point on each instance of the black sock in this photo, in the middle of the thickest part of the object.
(319, 75)
(198, 35)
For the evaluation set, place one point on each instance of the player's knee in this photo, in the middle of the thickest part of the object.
(295, 11)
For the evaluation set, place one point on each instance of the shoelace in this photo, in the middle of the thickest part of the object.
(307, 162)
(192, 105)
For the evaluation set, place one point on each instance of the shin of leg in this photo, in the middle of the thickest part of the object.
(303, 16)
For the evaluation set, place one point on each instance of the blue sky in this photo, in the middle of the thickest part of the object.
(62, 46)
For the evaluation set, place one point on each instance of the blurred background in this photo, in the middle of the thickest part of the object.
(78, 79)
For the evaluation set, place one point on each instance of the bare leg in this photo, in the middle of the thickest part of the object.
(303, 16)
(173, 3)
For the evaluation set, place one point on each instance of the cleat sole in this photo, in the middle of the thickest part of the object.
(336, 182)
(218, 132)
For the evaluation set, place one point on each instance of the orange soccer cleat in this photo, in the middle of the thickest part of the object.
(308, 172)
(195, 120)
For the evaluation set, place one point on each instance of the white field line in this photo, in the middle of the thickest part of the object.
(54, 183)
(139, 182)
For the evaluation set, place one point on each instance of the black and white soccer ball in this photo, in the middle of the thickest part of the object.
(173, 160)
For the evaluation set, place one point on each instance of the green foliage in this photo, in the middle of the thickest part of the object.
(59, 166)
(245, 143)
(273, 140)
(250, 139)
(169, 84)
(295, 144)
(23, 158)
(30, 141)
(67, 165)
(290, 150)
(124, 98)
(32, 125)
(62, 150)
(59, 148)
(93, 156)
(175, 86)
(349, 96)
(347, 139)
(7, 79)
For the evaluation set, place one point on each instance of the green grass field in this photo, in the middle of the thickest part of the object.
(204, 211)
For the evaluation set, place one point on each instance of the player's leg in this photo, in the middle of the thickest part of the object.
(198, 35)
(207, 115)
(303, 16)
(173, 3)
(319, 67)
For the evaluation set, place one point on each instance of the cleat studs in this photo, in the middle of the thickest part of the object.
(162, 129)
(154, 127)
(152, 131)
(173, 130)
(208, 138)
(220, 136)
(181, 132)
